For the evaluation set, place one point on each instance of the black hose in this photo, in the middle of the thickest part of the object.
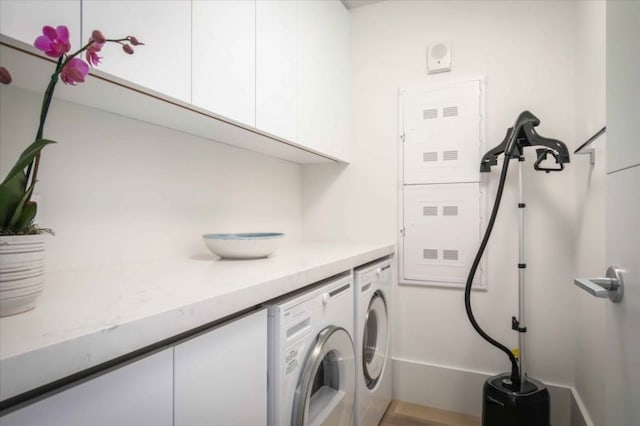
(515, 374)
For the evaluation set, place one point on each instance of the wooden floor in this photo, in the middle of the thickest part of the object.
(404, 414)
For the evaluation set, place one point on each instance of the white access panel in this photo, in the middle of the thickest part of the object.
(442, 133)
(442, 227)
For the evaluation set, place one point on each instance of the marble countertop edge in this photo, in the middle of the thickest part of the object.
(130, 307)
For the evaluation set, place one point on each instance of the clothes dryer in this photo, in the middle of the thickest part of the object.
(312, 374)
(372, 295)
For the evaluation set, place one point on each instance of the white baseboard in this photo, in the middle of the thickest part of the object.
(460, 390)
(438, 386)
(579, 414)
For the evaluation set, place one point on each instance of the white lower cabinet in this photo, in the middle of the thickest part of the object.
(218, 377)
(221, 375)
(136, 394)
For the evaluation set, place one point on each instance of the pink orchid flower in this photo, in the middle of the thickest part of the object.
(74, 72)
(54, 42)
(92, 52)
(5, 76)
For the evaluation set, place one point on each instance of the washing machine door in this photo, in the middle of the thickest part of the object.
(325, 392)
(375, 340)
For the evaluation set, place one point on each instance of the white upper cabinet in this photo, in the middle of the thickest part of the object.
(623, 84)
(276, 72)
(24, 19)
(324, 31)
(224, 58)
(279, 66)
(164, 62)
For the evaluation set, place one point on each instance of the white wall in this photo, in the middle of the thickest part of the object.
(590, 206)
(117, 190)
(526, 51)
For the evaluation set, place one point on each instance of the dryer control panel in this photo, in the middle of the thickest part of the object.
(297, 321)
(380, 274)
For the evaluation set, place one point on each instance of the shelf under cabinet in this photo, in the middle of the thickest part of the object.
(31, 71)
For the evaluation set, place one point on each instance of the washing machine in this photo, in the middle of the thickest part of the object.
(312, 370)
(372, 295)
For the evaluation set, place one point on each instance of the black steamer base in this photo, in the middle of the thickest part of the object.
(501, 406)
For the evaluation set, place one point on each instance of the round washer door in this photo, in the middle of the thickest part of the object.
(325, 392)
(375, 340)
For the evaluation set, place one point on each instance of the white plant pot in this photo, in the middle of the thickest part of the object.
(21, 272)
(12, 275)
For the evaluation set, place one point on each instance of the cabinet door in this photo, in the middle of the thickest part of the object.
(137, 394)
(24, 19)
(221, 375)
(164, 62)
(276, 79)
(324, 76)
(224, 62)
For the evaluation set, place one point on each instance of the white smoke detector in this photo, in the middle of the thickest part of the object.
(439, 57)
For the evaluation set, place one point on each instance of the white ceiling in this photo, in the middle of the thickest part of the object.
(350, 4)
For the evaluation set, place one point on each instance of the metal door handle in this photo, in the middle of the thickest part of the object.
(611, 286)
(591, 286)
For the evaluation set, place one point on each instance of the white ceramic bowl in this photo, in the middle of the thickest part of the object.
(243, 246)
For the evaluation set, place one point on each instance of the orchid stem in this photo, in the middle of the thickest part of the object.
(46, 103)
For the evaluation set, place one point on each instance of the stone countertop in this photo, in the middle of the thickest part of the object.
(87, 317)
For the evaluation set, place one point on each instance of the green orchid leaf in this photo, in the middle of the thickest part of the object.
(17, 213)
(27, 157)
(11, 192)
(28, 214)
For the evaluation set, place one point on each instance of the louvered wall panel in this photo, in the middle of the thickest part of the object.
(442, 231)
(442, 134)
(442, 207)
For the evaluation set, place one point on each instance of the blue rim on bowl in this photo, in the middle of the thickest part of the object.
(245, 236)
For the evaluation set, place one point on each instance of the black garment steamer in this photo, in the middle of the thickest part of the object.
(513, 399)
